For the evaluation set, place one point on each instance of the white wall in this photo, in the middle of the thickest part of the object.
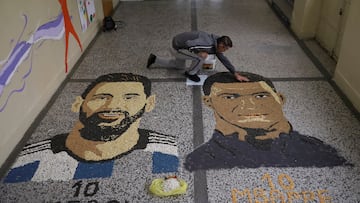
(45, 63)
(347, 71)
(330, 24)
(305, 18)
(115, 2)
(305, 24)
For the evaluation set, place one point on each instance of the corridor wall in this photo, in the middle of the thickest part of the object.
(305, 22)
(33, 57)
(347, 70)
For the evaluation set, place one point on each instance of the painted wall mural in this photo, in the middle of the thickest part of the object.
(251, 130)
(86, 12)
(69, 29)
(110, 111)
(52, 30)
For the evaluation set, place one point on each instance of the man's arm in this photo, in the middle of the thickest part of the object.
(240, 77)
(225, 61)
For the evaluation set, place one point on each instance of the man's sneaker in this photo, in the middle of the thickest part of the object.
(151, 60)
(194, 78)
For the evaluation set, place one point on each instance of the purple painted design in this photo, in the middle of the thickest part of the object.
(17, 90)
(20, 51)
(11, 93)
(50, 30)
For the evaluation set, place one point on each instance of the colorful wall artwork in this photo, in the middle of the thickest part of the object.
(52, 30)
(86, 12)
(90, 8)
(69, 29)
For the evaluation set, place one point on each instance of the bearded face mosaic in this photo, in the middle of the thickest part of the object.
(110, 111)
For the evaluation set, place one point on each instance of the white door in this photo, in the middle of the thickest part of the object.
(331, 25)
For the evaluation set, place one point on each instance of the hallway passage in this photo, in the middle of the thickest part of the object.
(182, 121)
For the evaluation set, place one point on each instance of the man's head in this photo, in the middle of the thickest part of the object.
(223, 44)
(251, 106)
(111, 104)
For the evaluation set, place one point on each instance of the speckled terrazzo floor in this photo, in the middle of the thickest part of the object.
(262, 45)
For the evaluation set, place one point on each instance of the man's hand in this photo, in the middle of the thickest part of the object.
(240, 77)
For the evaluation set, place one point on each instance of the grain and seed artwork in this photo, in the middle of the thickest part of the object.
(252, 131)
(105, 145)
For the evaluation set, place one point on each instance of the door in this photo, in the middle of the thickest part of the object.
(331, 25)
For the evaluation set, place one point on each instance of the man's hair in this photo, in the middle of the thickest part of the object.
(227, 77)
(225, 40)
(120, 77)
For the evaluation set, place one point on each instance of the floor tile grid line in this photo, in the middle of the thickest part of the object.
(193, 14)
(318, 64)
(200, 181)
